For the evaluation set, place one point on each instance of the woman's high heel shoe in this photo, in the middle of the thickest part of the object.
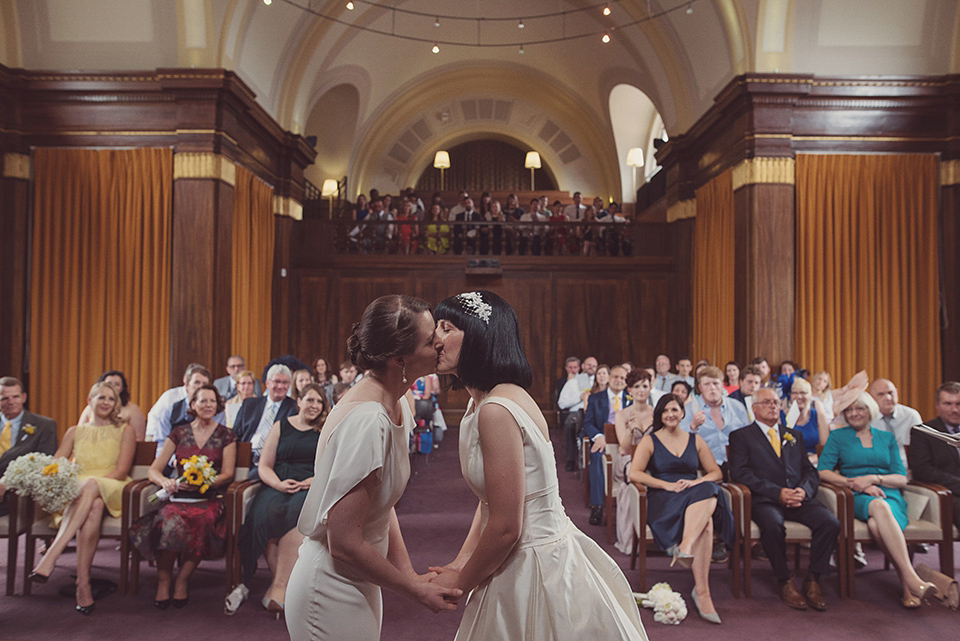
(275, 607)
(685, 560)
(924, 592)
(161, 604)
(86, 610)
(712, 617)
(36, 577)
(180, 603)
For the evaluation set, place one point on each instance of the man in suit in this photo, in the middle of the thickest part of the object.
(258, 414)
(772, 462)
(932, 460)
(602, 408)
(227, 385)
(22, 432)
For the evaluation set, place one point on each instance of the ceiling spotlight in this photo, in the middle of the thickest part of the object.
(606, 10)
(436, 23)
(520, 24)
(268, 2)
(521, 48)
(436, 49)
(689, 8)
(349, 6)
(606, 38)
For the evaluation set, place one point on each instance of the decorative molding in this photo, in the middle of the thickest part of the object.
(16, 166)
(204, 165)
(949, 173)
(682, 209)
(286, 206)
(754, 171)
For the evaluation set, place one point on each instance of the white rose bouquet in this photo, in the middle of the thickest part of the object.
(51, 482)
(668, 606)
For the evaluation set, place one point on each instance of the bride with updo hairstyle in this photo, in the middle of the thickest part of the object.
(523, 562)
(360, 471)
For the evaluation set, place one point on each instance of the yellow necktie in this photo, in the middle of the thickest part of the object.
(775, 439)
(5, 436)
(616, 403)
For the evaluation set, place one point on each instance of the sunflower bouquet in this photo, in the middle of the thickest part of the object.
(51, 482)
(198, 472)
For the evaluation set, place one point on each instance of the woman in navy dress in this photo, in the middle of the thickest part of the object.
(683, 510)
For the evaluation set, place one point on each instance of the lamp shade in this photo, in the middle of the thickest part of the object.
(635, 157)
(532, 161)
(441, 160)
(329, 187)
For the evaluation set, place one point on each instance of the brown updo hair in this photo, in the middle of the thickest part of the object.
(387, 329)
(636, 375)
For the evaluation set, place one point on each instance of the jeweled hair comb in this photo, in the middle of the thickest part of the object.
(474, 304)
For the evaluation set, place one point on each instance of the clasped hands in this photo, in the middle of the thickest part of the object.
(866, 485)
(792, 497)
(440, 588)
(289, 486)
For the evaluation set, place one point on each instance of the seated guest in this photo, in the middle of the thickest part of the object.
(682, 390)
(190, 525)
(348, 373)
(570, 404)
(600, 381)
(894, 418)
(130, 413)
(713, 415)
(663, 378)
(806, 415)
(104, 448)
(301, 378)
(867, 460)
(159, 415)
(750, 380)
(932, 460)
(632, 423)
(322, 373)
(601, 409)
(286, 470)
(683, 510)
(338, 391)
(731, 377)
(179, 412)
(783, 485)
(22, 432)
(245, 390)
(227, 385)
(684, 368)
(257, 415)
(820, 384)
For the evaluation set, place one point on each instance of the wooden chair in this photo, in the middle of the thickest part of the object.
(140, 505)
(609, 457)
(930, 520)
(638, 493)
(237, 500)
(12, 525)
(38, 522)
(796, 533)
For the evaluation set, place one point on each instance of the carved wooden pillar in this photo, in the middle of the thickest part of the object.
(764, 281)
(202, 262)
(950, 268)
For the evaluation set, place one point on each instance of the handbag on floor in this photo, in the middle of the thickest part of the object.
(947, 592)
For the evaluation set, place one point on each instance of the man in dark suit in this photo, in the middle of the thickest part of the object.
(772, 462)
(22, 432)
(258, 414)
(227, 385)
(931, 459)
(601, 409)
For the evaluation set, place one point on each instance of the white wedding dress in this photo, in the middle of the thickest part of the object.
(557, 584)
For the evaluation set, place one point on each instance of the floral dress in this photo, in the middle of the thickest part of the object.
(196, 528)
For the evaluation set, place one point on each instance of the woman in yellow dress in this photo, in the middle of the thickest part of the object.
(104, 448)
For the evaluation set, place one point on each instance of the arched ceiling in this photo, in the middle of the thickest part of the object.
(679, 53)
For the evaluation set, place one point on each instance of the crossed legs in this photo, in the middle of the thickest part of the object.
(886, 531)
(698, 540)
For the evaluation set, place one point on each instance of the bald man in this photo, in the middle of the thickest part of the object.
(894, 418)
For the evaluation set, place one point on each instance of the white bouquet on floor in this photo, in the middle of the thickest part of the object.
(51, 482)
(668, 606)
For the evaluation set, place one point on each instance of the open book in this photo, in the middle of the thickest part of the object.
(952, 439)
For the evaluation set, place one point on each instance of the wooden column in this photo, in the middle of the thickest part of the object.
(14, 260)
(202, 262)
(950, 269)
(764, 280)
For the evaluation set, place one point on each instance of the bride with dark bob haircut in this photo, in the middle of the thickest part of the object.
(492, 351)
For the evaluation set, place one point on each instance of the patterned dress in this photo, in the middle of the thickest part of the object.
(197, 529)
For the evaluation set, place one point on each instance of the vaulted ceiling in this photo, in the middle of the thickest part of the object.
(367, 84)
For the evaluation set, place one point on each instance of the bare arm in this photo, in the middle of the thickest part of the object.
(469, 545)
(66, 445)
(707, 462)
(623, 434)
(268, 458)
(136, 419)
(128, 447)
(155, 473)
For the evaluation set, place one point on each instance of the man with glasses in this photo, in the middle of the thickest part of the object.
(227, 385)
(772, 462)
(258, 414)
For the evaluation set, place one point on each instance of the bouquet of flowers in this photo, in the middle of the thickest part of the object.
(198, 472)
(51, 482)
(668, 606)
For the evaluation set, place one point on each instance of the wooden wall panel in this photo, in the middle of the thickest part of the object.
(14, 254)
(950, 285)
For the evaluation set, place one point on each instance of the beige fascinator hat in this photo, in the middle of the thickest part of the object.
(846, 395)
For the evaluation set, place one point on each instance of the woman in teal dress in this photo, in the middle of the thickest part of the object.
(867, 461)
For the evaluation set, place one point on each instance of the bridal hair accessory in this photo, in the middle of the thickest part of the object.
(473, 303)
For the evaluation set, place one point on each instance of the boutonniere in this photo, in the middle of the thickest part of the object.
(29, 429)
(629, 398)
(788, 439)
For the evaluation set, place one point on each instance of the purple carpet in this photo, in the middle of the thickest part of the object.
(435, 514)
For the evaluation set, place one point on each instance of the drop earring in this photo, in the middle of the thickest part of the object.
(404, 372)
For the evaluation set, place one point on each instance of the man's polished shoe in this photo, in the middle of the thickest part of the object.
(790, 596)
(596, 515)
(811, 591)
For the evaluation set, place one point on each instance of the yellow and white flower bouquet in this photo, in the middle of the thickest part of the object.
(51, 482)
(198, 472)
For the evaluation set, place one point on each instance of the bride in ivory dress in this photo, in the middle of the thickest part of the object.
(530, 573)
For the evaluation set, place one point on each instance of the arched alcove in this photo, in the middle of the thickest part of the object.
(634, 117)
(486, 165)
(333, 120)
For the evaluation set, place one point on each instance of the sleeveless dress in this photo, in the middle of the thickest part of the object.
(96, 448)
(327, 599)
(810, 430)
(665, 509)
(274, 513)
(557, 584)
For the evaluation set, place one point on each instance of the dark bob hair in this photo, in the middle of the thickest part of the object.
(196, 394)
(387, 329)
(491, 352)
(125, 392)
(661, 405)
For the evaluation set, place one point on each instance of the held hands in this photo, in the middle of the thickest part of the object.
(438, 589)
(598, 443)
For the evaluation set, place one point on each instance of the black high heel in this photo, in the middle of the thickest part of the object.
(161, 605)
(36, 577)
(181, 603)
(86, 610)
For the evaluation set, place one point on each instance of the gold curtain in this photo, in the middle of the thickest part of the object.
(713, 302)
(251, 296)
(100, 284)
(867, 286)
